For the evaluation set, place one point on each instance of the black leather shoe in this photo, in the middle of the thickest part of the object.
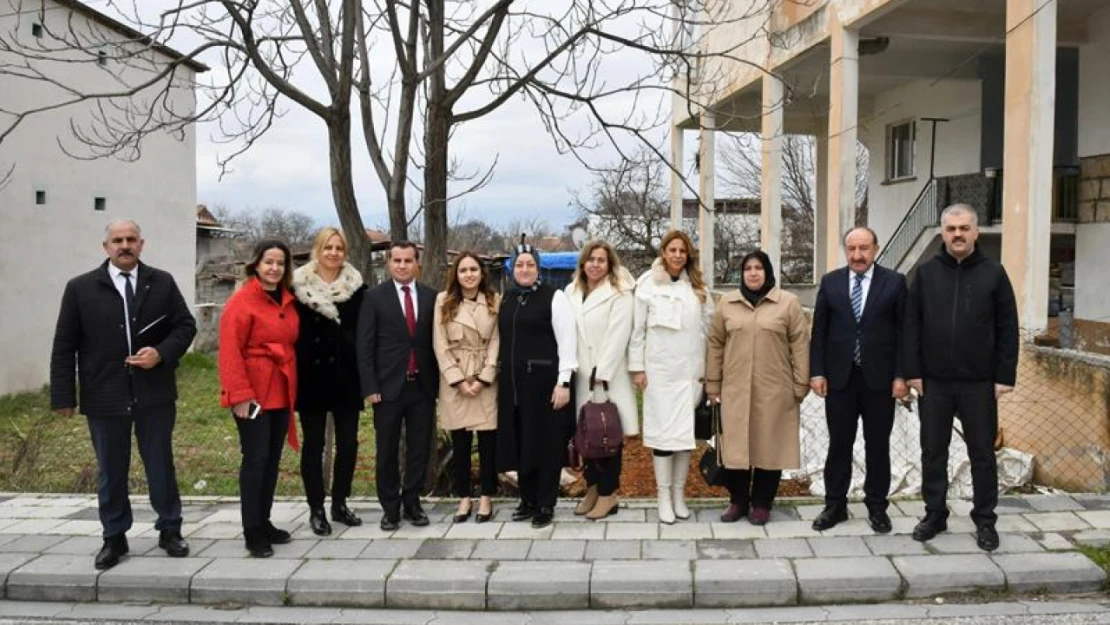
(415, 514)
(986, 537)
(318, 521)
(389, 522)
(115, 547)
(173, 543)
(543, 518)
(463, 517)
(879, 521)
(274, 535)
(930, 526)
(829, 518)
(484, 518)
(524, 512)
(258, 545)
(343, 514)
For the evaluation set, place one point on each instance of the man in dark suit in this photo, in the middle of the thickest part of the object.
(400, 379)
(121, 331)
(855, 363)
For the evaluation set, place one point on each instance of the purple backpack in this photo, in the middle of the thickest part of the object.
(599, 433)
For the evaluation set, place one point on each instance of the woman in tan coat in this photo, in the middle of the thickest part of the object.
(466, 343)
(757, 367)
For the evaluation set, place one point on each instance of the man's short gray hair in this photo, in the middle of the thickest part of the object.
(122, 222)
(961, 209)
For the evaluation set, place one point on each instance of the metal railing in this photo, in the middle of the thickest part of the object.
(923, 214)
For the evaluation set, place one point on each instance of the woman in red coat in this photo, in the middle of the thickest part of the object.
(258, 381)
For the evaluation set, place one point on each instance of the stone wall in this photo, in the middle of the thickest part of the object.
(1060, 412)
(1094, 189)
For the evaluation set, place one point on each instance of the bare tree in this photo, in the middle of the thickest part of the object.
(629, 206)
(742, 174)
(290, 225)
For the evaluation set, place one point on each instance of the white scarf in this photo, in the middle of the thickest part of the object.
(322, 297)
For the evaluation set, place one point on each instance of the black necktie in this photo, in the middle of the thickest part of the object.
(128, 293)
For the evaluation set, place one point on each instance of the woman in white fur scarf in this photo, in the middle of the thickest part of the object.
(329, 292)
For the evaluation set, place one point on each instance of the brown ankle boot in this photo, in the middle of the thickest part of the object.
(588, 502)
(606, 506)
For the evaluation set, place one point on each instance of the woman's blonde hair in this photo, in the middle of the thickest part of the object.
(322, 239)
(693, 263)
(584, 257)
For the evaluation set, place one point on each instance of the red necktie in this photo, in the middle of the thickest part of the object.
(410, 321)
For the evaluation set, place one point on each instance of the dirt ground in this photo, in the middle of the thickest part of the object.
(638, 477)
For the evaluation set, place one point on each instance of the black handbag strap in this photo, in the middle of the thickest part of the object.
(593, 381)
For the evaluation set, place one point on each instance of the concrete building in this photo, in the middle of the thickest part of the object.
(1002, 104)
(55, 207)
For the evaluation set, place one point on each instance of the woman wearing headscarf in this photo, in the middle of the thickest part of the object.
(666, 356)
(466, 343)
(329, 292)
(601, 295)
(535, 414)
(757, 367)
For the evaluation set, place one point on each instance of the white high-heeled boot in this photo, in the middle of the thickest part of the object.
(664, 471)
(678, 486)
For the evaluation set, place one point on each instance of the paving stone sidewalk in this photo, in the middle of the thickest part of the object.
(629, 561)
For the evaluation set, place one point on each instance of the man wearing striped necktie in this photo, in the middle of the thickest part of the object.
(855, 361)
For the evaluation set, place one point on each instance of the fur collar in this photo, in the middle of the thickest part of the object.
(660, 275)
(322, 297)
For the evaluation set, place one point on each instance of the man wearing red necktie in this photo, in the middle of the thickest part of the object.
(400, 379)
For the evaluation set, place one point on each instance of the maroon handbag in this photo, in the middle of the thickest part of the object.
(599, 433)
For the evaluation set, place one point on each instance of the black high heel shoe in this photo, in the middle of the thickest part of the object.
(463, 518)
(483, 518)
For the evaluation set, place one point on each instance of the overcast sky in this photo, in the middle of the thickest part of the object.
(289, 167)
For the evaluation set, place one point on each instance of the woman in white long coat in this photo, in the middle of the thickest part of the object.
(601, 295)
(666, 356)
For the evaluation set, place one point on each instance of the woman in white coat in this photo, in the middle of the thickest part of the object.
(601, 295)
(666, 356)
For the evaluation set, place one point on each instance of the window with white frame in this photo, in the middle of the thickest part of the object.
(900, 139)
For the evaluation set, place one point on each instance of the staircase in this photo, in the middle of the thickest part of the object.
(923, 215)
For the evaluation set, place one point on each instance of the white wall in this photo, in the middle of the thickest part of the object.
(957, 142)
(1092, 298)
(41, 247)
(1094, 88)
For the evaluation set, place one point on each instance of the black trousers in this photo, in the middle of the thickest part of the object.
(111, 441)
(755, 487)
(977, 408)
(539, 485)
(461, 444)
(313, 428)
(843, 410)
(605, 473)
(414, 410)
(261, 440)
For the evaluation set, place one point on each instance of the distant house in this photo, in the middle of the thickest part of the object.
(56, 207)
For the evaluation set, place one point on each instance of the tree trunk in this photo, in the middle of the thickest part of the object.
(343, 193)
(437, 128)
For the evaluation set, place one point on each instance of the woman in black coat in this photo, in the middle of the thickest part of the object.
(329, 292)
(535, 414)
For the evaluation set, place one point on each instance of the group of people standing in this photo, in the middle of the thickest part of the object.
(502, 369)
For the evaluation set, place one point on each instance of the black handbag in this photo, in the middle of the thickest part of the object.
(710, 467)
(703, 419)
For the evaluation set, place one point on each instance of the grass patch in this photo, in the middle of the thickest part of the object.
(1098, 555)
(43, 452)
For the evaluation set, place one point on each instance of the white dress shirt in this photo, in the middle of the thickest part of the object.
(401, 297)
(865, 286)
(115, 273)
(566, 335)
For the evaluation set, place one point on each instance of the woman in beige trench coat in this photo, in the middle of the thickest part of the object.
(757, 367)
(466, 342)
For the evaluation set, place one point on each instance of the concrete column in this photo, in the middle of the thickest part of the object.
(770, 207)
(677, 183)
(821, 264)
(1027, 156)
(707, 159)
(843, 121)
